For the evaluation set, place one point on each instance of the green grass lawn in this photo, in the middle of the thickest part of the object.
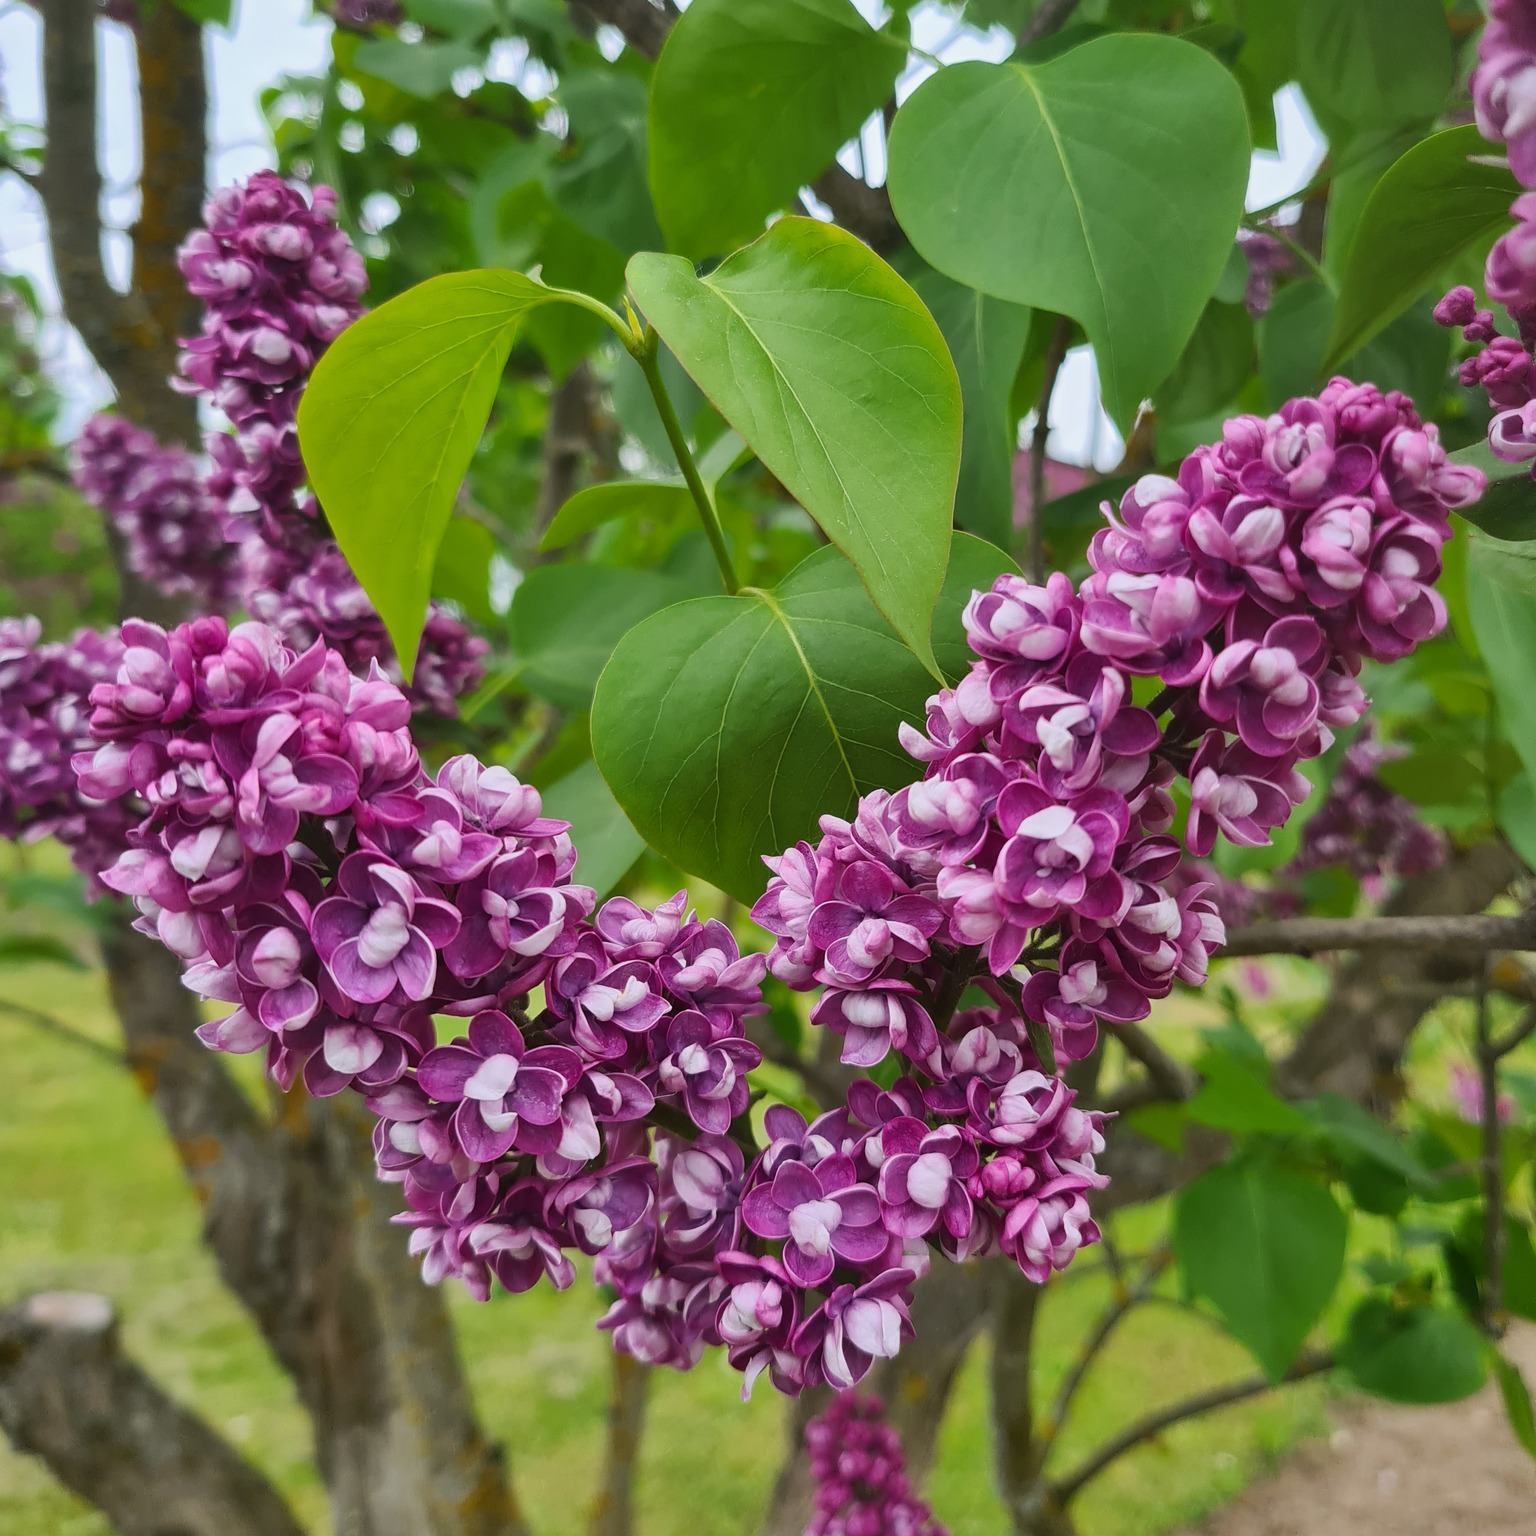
(91, 1198)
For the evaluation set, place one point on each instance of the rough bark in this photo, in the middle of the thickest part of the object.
(613, 1510)
(69, 1396)
(1017, 1451)
(300, 1232)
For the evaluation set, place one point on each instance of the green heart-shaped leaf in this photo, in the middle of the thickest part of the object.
(1104, 183)
(390, 420)
(727, 726)
(833, 372)
(750, 101)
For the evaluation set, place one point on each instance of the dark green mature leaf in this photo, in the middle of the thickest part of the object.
(419, 69)
(750, 100)
(390, 421)
(1212, 368)
(1413, 1354)
(608, 846)
(458, 18)
(566, 619)
(1354, 1130)
(1104, 183)
(725, 727)
(829, 367)
(1507, 509)
(1410, 354)
(1501, 595)
(37, 949)
(1374, 62)
(986, 338)
(1517, 1402)
(1265, 1245)
(603, 185)
(1432, 205)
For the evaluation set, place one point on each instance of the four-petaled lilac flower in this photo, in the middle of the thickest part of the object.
(1267, 687)
(923, 1176)
(823, 1214)
(380, 937)
(869, 919)
(710, 1073)
(497, 1083)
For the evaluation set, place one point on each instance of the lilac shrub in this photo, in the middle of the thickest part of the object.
(966, 935)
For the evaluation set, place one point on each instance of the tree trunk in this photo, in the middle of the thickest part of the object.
(613, 1510)
(1019, 1456)
(300, 1231)
(69, 1396)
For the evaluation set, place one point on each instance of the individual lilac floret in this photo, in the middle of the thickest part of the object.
(823, 1214)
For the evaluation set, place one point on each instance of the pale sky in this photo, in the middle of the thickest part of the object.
(271, 37)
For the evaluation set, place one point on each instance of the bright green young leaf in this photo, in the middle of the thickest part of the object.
(662, 500)
(607, 845)
(1501, 595)
(750, 101)
(1104, 183)
(725, 727)
(829, 367)
(1517, 1402)
(419, 69)
(1265, 1245)
(986, 338)
(1430, 206)
(390, 421)
(566, 619)
(1413, 1354)
(1232, 1098)
(38, 949)
(463, 570)
(1374, 62)
(207, 13)
(595, 505)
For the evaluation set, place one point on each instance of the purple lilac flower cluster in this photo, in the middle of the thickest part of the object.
(1504, 98)
(44, 720)
(1033, 860)
(1267, 259)
(976, 925)
(156, 497)
(280, 281)
(1364, 826)
(861, 1474)
(365, 15)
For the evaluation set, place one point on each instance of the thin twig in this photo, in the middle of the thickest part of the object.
(1051, 16)
(1124, 1300)
(1491, 1302)
(1055, 353)
(1504, 1044)
(60, 1030)
(1066, 1488)
(1315, 935)
(1173, 1079)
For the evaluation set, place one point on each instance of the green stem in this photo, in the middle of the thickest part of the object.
(1297, 249)
(644, 352)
